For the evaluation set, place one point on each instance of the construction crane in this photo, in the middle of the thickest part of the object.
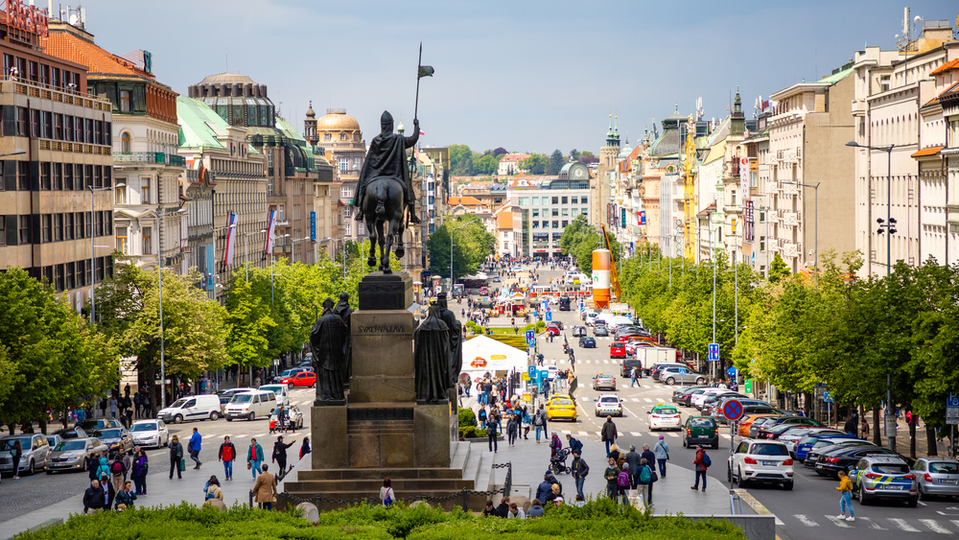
(689, 183)
(616, 293)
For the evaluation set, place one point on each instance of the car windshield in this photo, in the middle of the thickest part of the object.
(702, 422)
(149, 426)
(242, 398)
(944, 468)
(890, 468)
(665, 410)
(612, 400)
(275, 388)
(70, 445)
(178, 403)
(7, 444)
(769, 450)
(562, 402)
(108, 433)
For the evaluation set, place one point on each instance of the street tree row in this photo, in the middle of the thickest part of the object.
(472, 244)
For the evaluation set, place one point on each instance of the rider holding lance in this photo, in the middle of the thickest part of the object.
(387, 157)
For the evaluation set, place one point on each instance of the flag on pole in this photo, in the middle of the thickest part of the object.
(270, 231)
(425, 71)
(230, 240)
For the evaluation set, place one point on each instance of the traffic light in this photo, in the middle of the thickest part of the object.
(892, 225)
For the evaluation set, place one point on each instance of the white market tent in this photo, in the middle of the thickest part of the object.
(483, 355)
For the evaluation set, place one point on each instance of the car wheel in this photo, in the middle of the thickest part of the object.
(214, 415)
(166, 443)
(252, 416)
(788, 486)
(740, 480)
(32, 469)
(684, 443)
(228, 419)
(177, 419)
(291, 386)
(729, 475)
(48, 471)
(670, 381)
(862, 495)
(922, 495)
(700, 381)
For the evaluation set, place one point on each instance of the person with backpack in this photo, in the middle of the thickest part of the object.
(491, 432)
(117, 471)
(527, 423)
(644, 481)
(611, 475)
(387, 497)
(701, 464)
(632, 460)
(227, 454)
(579, 469)
(212, 490)
(623, 483)
(141, 465)
(481, 416)
(575, 445)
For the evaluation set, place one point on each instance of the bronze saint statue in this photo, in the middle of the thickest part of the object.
(456, 337)
(387, 157)
(328, 341)
(343, 311)
(431, 353)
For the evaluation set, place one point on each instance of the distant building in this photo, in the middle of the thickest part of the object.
(546, 211)
(341, 138)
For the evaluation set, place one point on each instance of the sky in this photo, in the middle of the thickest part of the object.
(525, 75)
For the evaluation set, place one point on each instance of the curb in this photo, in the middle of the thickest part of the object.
(761, 510)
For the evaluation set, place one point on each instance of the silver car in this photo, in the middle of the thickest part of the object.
(150, 433)
(679, 374)
(35, 452)
(72, 454)
(937, 476)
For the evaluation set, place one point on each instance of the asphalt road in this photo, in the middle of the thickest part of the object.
(19, 497)
(808, 512)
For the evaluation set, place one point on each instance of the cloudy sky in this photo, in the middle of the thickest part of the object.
(527, 75)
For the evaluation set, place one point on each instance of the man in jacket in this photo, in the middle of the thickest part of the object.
(632, 460)
(575, 445)
(609, 433)
(545, 487)
(648, 455)
(661, 450)
(539, 422)
(227, 454)
(265, 489)
(579, 469)
(93, 498)
(700, 468)
(279, 453)
(194, 447)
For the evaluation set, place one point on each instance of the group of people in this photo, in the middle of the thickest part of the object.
(110, 487)
(519, 422)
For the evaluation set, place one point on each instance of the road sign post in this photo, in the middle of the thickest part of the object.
(713, 352)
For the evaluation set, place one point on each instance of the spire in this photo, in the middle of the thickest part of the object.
(737, 120)
(610, 135)
(309, 112)
(738, 102)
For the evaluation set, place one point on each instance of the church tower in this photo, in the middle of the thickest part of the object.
(309, 127)
(737, 120)
(601, 188)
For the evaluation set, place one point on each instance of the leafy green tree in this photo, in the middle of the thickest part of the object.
(587, 157)
(461, 159)
(487, 164)
(555, 163)
(249, 321)
(777, 269)
(535, 164)
(472, 244)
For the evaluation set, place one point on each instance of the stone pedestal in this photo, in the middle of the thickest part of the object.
(382, 357)
(328, 427)
(379, 291)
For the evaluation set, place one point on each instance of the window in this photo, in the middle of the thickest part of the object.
(123, 244)
(58, 127)
(58, 276)
(124, 101)
(555, 212)
(45, 176)
(57, 227)
(144, 191)
(357, 164)
(125, 142)
(555, 200)
(348, 211)
(556, 224)
(3, 232)
(326, 136)
(535, 224)
(346, 192)
(565, 200)
(535, 201)
(347, 229)
(70, 270)
(535, 212)
(58, 176)
(574, 200)
(344, 164)
(121, 195)
(524, 201)
(22, 121)
(81, 232)
(69, 227)
(342, 136)
(147, 240)
(565, 212)
(565, 223)
(23, 175)
(24, 230)
(582, 200)
(46, 222)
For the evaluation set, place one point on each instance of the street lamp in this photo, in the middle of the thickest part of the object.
(93, 246)
(889, 224)
(816, 234)
(17, 152)
(293, 248)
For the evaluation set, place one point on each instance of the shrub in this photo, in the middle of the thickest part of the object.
(468, 432)
(540, 325)
(467, 417)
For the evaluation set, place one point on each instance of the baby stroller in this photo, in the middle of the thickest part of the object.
(558, 462)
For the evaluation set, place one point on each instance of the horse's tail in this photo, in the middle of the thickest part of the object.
(381, 199)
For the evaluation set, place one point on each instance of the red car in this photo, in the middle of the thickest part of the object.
(303, 378)
(617, 350)
(552, 329)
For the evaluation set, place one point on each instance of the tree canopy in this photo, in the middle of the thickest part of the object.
(471, 245)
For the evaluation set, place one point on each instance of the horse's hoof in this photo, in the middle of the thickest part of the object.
(399, 253)
(371, 262)
(388, 271)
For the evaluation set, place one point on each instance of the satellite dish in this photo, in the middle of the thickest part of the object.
(74, 19)
(901, 44)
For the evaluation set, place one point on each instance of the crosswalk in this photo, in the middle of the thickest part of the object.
(926, 526)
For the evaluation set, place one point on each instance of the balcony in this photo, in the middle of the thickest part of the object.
(159, 158)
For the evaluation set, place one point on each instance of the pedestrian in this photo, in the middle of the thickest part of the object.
(93, 499)
(254, 457)
(633, 374)
(539, 422)
(864, 428)
(555, 446)
(535, 509)
(492, 434)
(109, 493)
(611, 475)
(574, 444)
(176, 457)
(632, 460)
(128, 462)
(136, 405)
(482, 415)
(512, 429)
(103, 469)
(212, 489)
(117, 472)
(387, 497)
(623, 482)
(515, 512)
(545, 487)
(644, 481)
(662, 455)
(852, 425)
(700, 464)
(265, 489)
(112, 403)
(141, 466)
(194, 448)
(125, 497)
(279, 454)
(609, 433)
(527, 422)
(227, 454)
(579, 469)
(845, 499)
(16, 454)
(305, 447)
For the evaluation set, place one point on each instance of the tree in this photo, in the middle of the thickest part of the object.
(487, 164)
(249, 321)
(535, 164)
(587, 157)
(500, 151)
(574, 154)
(472, 244)
(555, 163)
(461, 159)
(777, 269)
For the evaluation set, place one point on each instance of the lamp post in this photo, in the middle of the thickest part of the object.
(890, 225)
(816, 228)
(712, 259)
(93, 247)
(293, 248)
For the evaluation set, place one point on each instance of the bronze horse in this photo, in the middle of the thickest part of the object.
(384, 204)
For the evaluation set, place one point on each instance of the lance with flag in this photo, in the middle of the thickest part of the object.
(421, 71)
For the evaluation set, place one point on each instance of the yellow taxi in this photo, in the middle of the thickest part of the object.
(561, 406)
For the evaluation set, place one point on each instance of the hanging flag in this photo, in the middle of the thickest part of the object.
(230, 240)
(270, 231)
(422, 132)
(425, 71)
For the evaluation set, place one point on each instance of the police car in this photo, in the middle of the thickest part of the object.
(884, 477)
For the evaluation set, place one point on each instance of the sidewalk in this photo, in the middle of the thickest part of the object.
(162, 491)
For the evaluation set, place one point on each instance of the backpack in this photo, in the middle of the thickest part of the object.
(117, 467)
(623, 479)
(644, 476)
(706, 461)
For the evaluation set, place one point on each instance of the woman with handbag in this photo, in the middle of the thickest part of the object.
(386, 493)
(176, 458)
(254, 458)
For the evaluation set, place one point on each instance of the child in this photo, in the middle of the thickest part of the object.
(845, 501)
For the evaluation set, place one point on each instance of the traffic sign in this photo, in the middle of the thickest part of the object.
(732, 372)
(733, 410)
(826, 397)
(713, 352)
(549, 315)
(952, 409)
(530, 335)
(532, 372)
(952, 400)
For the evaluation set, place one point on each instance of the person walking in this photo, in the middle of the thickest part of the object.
(176, 455)
(611, 475)
(141, 465)
(845, 497)
(527, 423)
(279, 454)
(623, 481)
(700, 464)
(194, 448)
(852, 425)
(492, 434)
(609, 433)
(633, 375)
(265, 489)
(93, 498)
(644, 480)
(574, 444)
(254, 457)
(632, 460)
(117, 471)
(555, 446)
(539, 422)
(227, 454)
(16, 454)
(481, 415)
(661, 451)
(512, 429)
(579, 469)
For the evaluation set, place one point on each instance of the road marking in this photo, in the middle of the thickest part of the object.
(901, 523)
(635, 433)
(723, 435)
(635, 400)
(779, 522)
(934, 526)
(804, 519)
(671, 434)
(838, 521)
(873, 524)
(922, 503)
(955, 522)
(647, 400)
(583, 433)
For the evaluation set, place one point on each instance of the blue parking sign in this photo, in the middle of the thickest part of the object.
(532, 372)
(529, 335)
(549, 315)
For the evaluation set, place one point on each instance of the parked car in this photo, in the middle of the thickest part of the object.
(655, 369)
(609, 405)
(700, 430)
(774, 428)
(560, 406)
(150, 433)
(664, 416)
(579, 331)
(686, 398)
(760, 462)
(94, 424)
(758, 423)
(281, 391)
(804, 444)
(792, 437)
(306, 379)
(587, 342)
(34, 457)
(75, 432)
(827, 445)
(884, 477)
(845, 456)
(73, 454)
(680, 374)
(937, 477)
(599, 330)
(53, 440)
(617, 350)
(681, 395)
(604, 381)
(117, 440)
(289, 373)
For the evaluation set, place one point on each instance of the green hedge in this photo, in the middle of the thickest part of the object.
(598, 519)
(467, 417)
(472, 431)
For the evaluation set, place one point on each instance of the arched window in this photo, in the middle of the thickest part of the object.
(342, 135)
(125, 142)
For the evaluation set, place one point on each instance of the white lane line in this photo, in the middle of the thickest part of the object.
(935, 526)
(582, 433)
(671, 434)
(565, 432)
(955, 522)
(635, 400)
(804, 519)
(901, 523)
(839, 522)
(635, 433)
(647, 400)
(922, 503)
(872, 524)
(724, 435)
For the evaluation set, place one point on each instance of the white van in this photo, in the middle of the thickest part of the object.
(249, 405)
(191, 408)
(281, 391)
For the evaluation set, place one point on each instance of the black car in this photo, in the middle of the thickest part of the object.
(680, 394)
(686, 398)
(118, 440)
(587, 343)
(75, 432)
(629, 364)
(99, 423)
(829, 463)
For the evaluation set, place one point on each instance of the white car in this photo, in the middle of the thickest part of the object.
(760, 461)
(150, 433)
(281, 391)
(664, 416)
(609, 405)
(698, 399)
